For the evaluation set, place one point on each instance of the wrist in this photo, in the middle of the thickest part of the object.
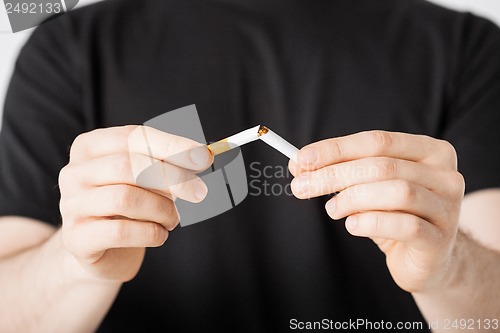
(449, 273)
(69, 269)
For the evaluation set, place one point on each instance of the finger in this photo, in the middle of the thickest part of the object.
(122, 200)
(417, 148)
(90, 239)
(142, 140)
(294, 168)
(389, 195)
(133, 169)
(395, 226)
(338, 177)
(103, 170)
(171, 179)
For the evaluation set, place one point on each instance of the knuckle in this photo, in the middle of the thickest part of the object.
(175, 177)
(382, 141)
(344, 199)
(64, 207)
(174, 147)
(128, 129)
(65, 176)
(156, 234)
(167, 148)
(81, 142)
(78, 142)
(171, 215)
(386, 168)
(405, 191)
(377, 223)
(122, 165)
(457, 183)
(413, 225)
(335, 149)
(178, 182)
(169, 206)
(68, 207)
(125, 132)
(122, 197)
(447, 148)
(118, 232)
(167, 213)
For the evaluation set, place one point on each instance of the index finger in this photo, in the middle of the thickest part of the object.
(411, 147)
(158, 145)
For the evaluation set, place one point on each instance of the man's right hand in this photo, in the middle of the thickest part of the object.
(108, 219)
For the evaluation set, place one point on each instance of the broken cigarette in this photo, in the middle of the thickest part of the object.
(252, 134)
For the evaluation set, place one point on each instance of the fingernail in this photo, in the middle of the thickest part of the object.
(199, 156)
(300, 185)
(200, 190)
(308, 155)
(331, 205)
(352, 222)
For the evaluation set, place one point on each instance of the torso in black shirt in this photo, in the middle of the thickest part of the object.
(309, 70)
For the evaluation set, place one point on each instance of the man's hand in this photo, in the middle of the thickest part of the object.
(108, 220)
(403, 191)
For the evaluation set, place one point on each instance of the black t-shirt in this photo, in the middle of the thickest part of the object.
(309, 70)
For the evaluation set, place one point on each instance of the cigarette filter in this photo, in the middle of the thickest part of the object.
(233, 141)
(258, 132)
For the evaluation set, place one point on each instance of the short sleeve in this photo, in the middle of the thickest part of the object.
(41, 118)
(473, 119)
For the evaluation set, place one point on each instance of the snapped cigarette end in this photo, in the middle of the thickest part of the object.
(262, 130)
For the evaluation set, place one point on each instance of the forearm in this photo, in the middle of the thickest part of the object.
(44, 290)
(468, 290)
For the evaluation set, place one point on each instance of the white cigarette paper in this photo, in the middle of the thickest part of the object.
(278, 143)
(253, 134)
(233, 141)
